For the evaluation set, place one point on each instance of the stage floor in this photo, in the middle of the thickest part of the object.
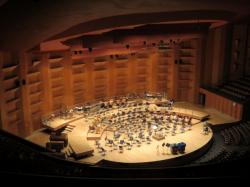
(194, 139)
(153, 152)
(215, 117)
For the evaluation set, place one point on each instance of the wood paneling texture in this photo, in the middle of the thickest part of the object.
(240, 62)
(36, 84)
(223, 104)
(11, 94)
(187, 78)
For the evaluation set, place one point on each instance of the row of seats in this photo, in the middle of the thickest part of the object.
(225, 155)
(240, 86)
(218, 157)
(233, 94)
(239, 89)
(237, 135)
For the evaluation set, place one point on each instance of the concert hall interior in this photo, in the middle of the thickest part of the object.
(125, 89)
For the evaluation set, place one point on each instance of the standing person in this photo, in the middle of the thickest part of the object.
(205, 128)
(157, 149)
(163, 148)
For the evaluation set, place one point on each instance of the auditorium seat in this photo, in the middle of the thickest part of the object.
(238, 89)
(246, 133)
(236, 135)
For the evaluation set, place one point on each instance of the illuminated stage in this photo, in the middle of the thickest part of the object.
(133, 149)
(195, 140)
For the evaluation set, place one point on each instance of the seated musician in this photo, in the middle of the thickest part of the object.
(205, 128)
(174, 116)
(122, 142)
(190, 120)
(92, 127)
(190, 123)
(120, 149)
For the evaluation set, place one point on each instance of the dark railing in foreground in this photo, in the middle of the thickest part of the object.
(18, 156)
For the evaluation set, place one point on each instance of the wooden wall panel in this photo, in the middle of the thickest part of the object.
(247, 58)
(131, 73)
(50, 81)
(11, 94)
(186, 78)
(238, 54)
(223, 104)
(215, 65)
(111, 77)
(121, 75)
(89, 80)
(164, 72)
(67, 72)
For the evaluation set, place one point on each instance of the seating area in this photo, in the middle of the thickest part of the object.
(226, 155)
(237, 135)
(230, 144)
(238, 89)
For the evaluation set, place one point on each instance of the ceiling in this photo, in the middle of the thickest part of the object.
(25, 24)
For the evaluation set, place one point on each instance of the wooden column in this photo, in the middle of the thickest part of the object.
(68, 80)
(46, 83)
(89, 80)
(2, 103)
(152, 72)
(197, 72)
(175, 72)
(27, 127)
(131, 74)
(111, 77)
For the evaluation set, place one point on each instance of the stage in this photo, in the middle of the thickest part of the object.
(195, 139)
